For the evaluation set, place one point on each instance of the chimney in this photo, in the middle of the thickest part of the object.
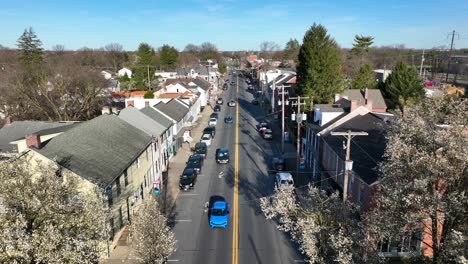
(115, 110)
(130, 103)
(33, 140)
(369, 105)
(337, 97)
(147, 103)
(366, 93)
(105, 110)
(354, 106)
(8, 121)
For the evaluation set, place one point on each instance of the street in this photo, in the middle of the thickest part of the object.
(258, 240)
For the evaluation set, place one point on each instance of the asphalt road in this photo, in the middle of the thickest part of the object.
(258, 239)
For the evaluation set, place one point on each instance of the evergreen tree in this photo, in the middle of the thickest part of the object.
(319, 69)
(30, 47)
(222, 68)
(291, 51)
(362, 45)
(144, 66)
(403, 87)
(168, 57)
(365, 78)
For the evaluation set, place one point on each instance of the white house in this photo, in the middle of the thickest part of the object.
(382, 75)
(107, 75)
(163, 76)
(124, 71)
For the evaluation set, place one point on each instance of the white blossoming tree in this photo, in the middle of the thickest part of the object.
(45, 219)
(326, 229)
(151, 237)
(424, 179)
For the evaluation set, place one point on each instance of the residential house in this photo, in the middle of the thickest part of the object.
(163, 76)
(156, 130)
(179, 113)
(125, 71)
(107, 154)
(204, 88)
(106, 74)
(381, 75)
(14, 131)
(168, 137)
(371, 97)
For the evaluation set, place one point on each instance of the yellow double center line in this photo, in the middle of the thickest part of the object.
(235, 202)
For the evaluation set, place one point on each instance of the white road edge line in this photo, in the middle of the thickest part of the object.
(183, 220)
(172, 260)
(189, 194)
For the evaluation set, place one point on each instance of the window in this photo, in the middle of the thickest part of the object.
(121, 217)
(361, 193)
(126, 177)
(145, 180)
(109, 195)
(350, 184)
(117, 185)
(112, 228)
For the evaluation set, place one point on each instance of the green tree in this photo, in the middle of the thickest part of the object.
(144, 67)
(319, 69)
(291, 51)
(30, 47)
(168, 57)
(365, 78)
(362, 45)
(403, 87)
(222, 67)
(149, 95)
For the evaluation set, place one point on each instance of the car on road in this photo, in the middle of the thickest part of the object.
(215, 115)
(201, 149)
(212, 121)
(228, 120)
(267, 134)
(232, 103)
(278, 164)
(206, 138)
(255, 102)
(210, 130)
(195, 162)
(219, 101)
(218, 212)
(217, 108)
(188, 179)
(222, 155)
(284, 180)
(225, 86)
(263, 126)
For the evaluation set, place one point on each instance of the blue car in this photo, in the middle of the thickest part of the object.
(228, 120)
(219, 213)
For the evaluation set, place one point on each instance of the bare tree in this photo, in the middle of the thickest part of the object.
(115, 55)
(54, 222)
(150, 235)
(268, 48)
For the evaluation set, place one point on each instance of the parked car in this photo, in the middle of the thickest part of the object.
(284, 180)
(255, 101)
(222, 155)
(278, 164)
(219, 101)
(218, 212)
(212, 121)
(228, 120)
(195, 162)
(215, 115)
(201, 149)
(267, 134)
(232, 103)
(210, 130)
(263, 126)
(206, 138)
(188, 179)
(217, 108)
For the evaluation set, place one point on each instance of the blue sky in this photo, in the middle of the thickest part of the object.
(231, 24)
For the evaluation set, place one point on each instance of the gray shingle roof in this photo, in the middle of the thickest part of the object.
(374, 95)
(202, 84)
(141, 121)
(329, 107)
(98, 150)
(20, 129)
(174, 109)
(157, 116)
(366, 151)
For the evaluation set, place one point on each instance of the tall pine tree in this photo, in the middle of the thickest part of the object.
(403, 87)
(145, 66)
(168, 56)
(31, 49)
(319, 69)
(365, 78)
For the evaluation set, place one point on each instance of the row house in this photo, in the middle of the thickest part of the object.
(107, 154)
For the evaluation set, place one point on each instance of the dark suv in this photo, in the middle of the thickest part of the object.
(210, 130)
(201, 149)
(222, 155)
(188, 179)
(195, 162)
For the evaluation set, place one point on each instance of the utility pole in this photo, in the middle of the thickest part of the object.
(282, 117)
(421, 68)
(149, 82)
(273, 97)
(349, 163)
(450, 56)
(298, 117)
